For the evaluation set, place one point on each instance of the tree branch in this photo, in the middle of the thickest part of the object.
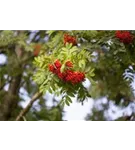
(25, 110)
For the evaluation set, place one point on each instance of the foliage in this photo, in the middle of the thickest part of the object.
(50, 82)
(19, 55)
(106, 58)
(112, 59)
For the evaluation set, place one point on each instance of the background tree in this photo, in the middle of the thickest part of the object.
(20, 48)
(106, 58)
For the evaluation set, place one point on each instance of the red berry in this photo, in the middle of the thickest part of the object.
(57, 63)
(51, 68)
(61, 75)
(124, 36)
(69, 64)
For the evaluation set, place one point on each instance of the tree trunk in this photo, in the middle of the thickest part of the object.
(10, 99)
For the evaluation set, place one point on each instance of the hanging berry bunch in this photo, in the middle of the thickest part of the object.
(68, 75)
(70, 39)
(124, 36)
(64, 69)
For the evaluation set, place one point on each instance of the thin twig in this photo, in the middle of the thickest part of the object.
(24, 118)
(25, 110)
(2, 86)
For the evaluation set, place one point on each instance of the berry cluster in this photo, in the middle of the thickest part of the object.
(36, 49)
(68, 75)
(124, 36)
(74, 77)
(69, 39)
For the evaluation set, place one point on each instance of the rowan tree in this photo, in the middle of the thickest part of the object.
(62, 63)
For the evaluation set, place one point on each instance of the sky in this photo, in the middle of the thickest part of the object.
(76, 111)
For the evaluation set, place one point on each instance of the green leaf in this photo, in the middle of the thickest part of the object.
(52, 86)
(68, 45)
(57, 93)
(92, 81)
(56, 78)
(64, 49)
(50, 32)
(82, 64)
(74, 49)
(115, 52)
(50, 90)
(68, 99)
(62, 103)
(46, 80)
(87, 69)
(71, 94)
(62, 68)
(67, 102)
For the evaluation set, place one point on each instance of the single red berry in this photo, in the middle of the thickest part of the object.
(69, 64)
(57, 63)
(51, 68)
(60, 75)
(57, 71)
